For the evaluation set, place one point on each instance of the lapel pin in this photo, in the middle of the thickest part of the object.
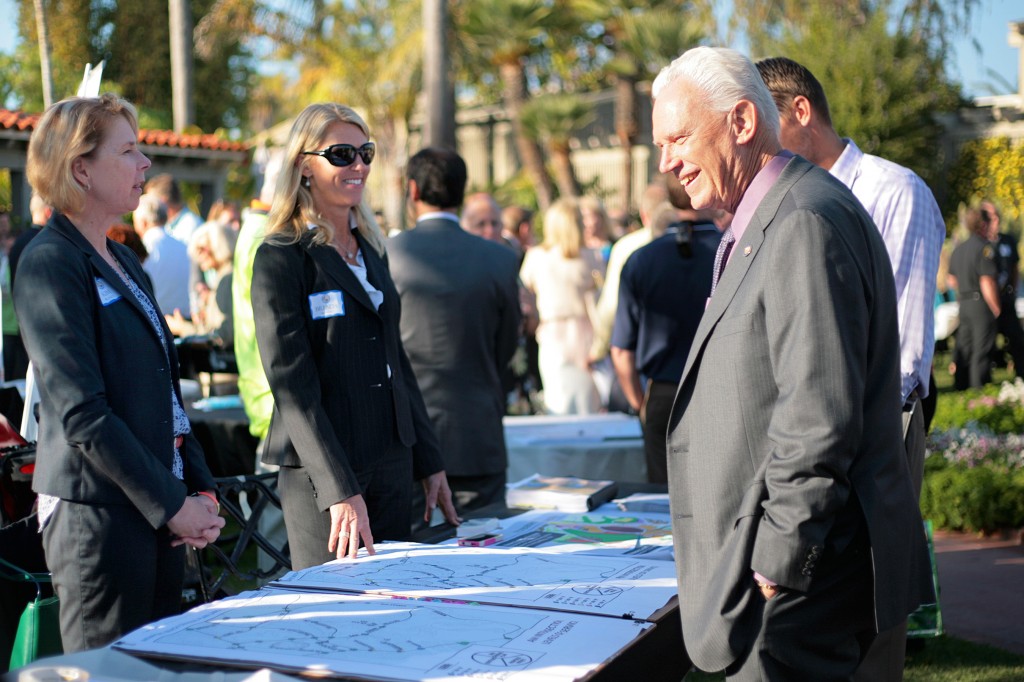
(746, 250)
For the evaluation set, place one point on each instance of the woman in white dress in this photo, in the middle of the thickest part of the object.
(564, 277)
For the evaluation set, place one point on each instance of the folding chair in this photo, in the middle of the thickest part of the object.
(243, 499)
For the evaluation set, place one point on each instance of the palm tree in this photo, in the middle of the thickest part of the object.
(44, 53)
(503, 35)
(553, 119)
(642, 36)
(369, 58)
(439, 126)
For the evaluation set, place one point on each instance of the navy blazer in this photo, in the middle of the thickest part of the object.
(106, 432)
(335, 408)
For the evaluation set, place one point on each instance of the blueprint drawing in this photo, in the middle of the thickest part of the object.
(385, 638)
(556, 578)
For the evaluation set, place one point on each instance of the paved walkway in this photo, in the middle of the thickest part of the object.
(981, 583)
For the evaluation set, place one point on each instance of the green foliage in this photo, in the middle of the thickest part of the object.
(933, 23)
(884, 85)
(978, 499)
(71, 25)
(5, 190)
(980, 406)
(555, 118)
(943, 659)
(638, 37)
(133, 38)
(990, 168)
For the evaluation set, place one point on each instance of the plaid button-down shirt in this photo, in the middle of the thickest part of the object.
(906, 214)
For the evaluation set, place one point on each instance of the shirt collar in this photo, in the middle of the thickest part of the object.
(756, 192)
(845, 168)
(439, 215)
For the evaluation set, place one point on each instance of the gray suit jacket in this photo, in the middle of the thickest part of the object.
(785, 439)
(460, 323)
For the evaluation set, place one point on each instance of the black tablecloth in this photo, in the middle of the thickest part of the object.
(224, 434)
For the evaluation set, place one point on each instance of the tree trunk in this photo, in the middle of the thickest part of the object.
(565, 175)
(530, 155)
(182, 72)
(44, 53)
(439, 130)
(392, 137)
(626, 130)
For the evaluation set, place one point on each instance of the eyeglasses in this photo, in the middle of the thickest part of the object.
(345, 154)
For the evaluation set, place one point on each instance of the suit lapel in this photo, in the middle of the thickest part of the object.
(336, 269)
(99, 265)
(743, 255)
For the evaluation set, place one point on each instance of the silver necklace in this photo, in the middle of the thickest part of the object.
(117, 265)
(349, 255)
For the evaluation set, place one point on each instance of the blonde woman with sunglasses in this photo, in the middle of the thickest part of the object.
(349, 429)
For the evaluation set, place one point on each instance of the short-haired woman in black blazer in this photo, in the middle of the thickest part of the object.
(123, 484)
(349, 429)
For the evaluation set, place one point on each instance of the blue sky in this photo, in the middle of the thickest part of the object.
(988, 30)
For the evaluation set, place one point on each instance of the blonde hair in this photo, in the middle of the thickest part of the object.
(594, 206)
(220, 239)
(292, 210)
(563, 228)
(70, 129)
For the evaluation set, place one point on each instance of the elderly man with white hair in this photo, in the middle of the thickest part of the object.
(796, 527)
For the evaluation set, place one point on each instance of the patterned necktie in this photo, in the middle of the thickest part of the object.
(722, 257)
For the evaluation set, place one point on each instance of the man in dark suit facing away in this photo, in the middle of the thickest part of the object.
(460, 322)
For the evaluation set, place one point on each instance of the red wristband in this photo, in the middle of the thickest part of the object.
(213, 497)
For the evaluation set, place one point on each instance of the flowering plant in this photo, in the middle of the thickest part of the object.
(974, 474)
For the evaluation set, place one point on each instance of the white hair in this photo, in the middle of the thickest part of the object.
(725, 76)
(151, 209)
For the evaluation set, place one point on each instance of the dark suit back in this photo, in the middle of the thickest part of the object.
(460, 324)
(335, 408)
(105, 427)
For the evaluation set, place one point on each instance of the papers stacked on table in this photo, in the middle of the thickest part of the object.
(425, 612)
(555, 578)
(564, 493)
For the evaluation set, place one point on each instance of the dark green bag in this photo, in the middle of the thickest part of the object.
(39, 627)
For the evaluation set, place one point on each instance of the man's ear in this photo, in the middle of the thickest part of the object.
(744, 120)
(801, 110)
(413, 191)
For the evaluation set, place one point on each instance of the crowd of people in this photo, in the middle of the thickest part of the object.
(770, 321)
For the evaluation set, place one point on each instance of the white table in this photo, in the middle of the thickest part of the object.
(603, 446)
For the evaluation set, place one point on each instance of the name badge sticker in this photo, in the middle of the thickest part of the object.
(324, 304)
(107, 293)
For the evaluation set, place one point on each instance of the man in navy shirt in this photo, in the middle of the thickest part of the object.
(662, 295)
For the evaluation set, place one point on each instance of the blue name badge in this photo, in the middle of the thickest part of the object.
(324, 304)
(107, 293)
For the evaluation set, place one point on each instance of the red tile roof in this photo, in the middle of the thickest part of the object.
(17, 120)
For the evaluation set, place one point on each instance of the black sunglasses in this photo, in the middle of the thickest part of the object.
(345, 154)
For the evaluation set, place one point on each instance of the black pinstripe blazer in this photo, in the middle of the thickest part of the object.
(105, 427)
(335, 408)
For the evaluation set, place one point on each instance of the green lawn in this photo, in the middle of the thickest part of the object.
(944, 659)
(944, 380)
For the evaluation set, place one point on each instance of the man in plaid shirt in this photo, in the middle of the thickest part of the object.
(905, 212)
